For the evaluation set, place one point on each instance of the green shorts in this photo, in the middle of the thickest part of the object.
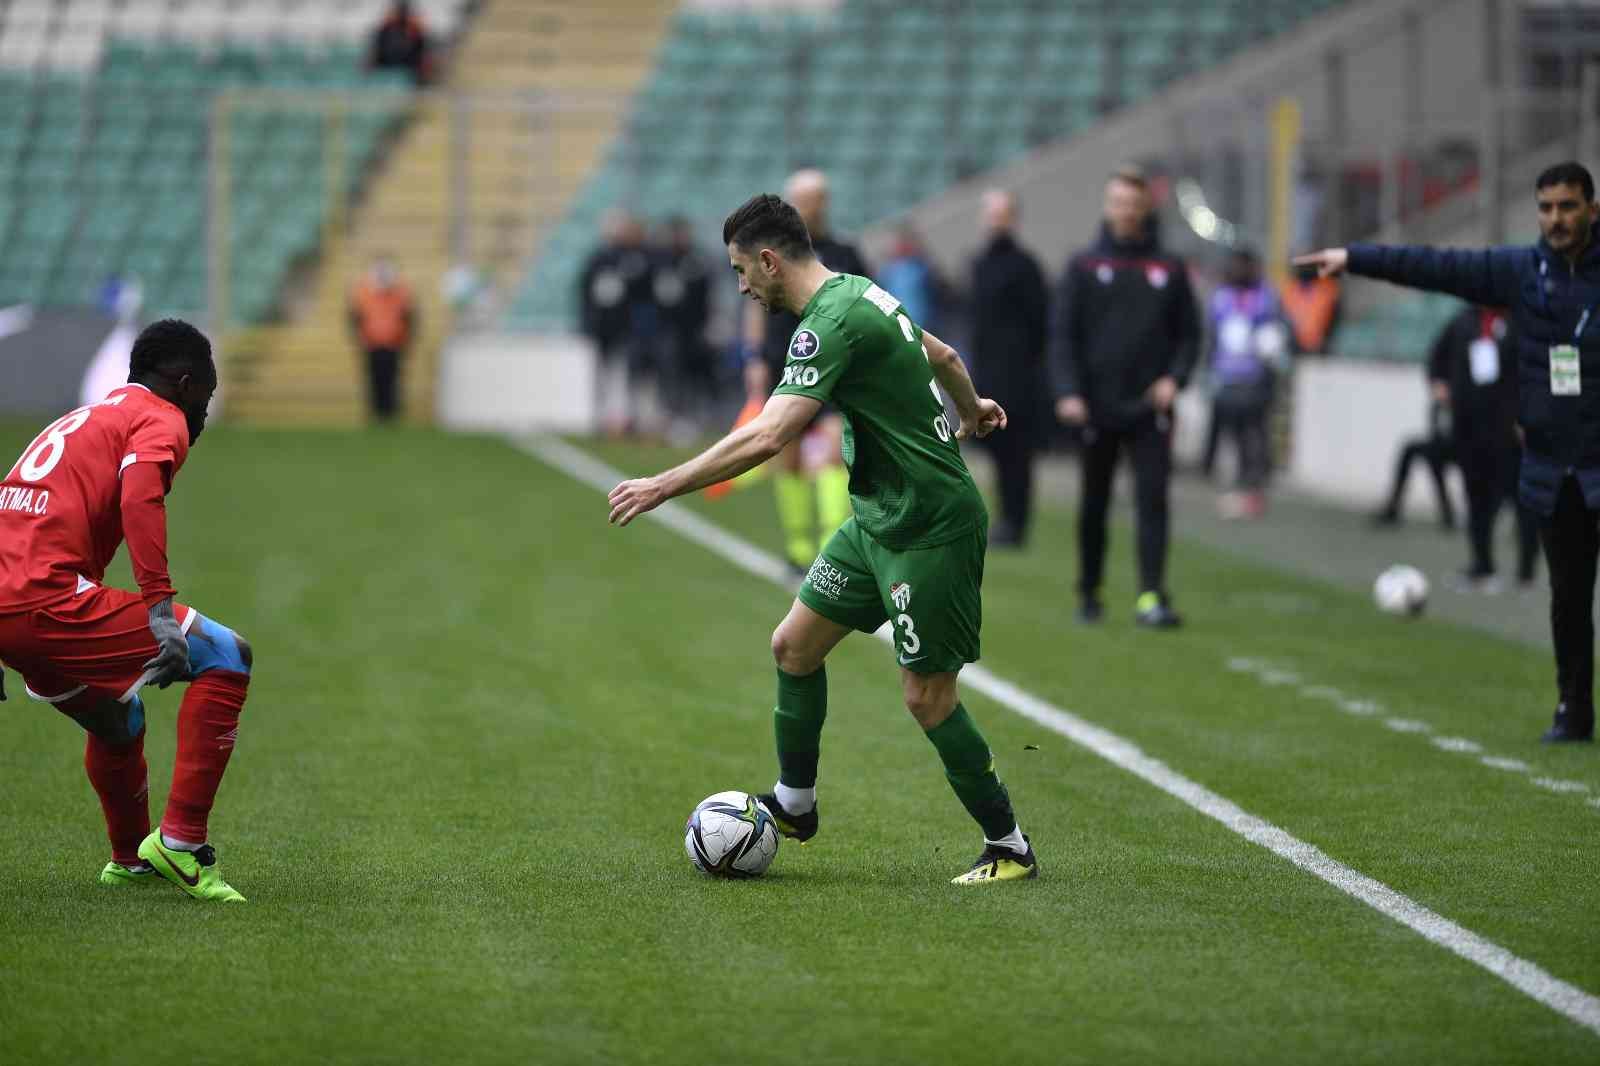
(934, 596)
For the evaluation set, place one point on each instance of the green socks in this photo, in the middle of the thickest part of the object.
(796, 495)
(833, 499)
(797, 722)
(969, 767)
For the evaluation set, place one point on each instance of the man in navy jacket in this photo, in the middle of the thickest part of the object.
(1552, 292)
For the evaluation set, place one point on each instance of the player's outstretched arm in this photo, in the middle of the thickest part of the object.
(979, 417)
(1330, 262)
(747, 447)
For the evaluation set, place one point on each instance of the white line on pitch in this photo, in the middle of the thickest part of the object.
(1527, 977)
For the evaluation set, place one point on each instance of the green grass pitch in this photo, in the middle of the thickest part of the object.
(480, 716)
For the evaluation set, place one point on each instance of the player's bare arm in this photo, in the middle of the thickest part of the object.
(1330, 262)
(780, 421)
(979, 416)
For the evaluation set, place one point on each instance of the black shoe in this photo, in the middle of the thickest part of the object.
(1090, 611)
(801, 827)
(1567, 729)
(1153, 611)
(1386, 519)
(1005, 535)
(1000, 863)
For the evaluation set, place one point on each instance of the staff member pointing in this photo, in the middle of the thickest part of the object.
(1552, 292)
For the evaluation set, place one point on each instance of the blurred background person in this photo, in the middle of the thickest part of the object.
(1248, 345)
(1437, 450)
(1125, 338)
(911, 276)
(1010, 332)
(400, 42)
(1313, 307)
(383, 319)
(1472, 372)
(810, 479)
(615, 296)
(682, 289)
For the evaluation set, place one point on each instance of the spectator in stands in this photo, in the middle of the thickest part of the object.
(383, 319)
(1549, 291)
(616, 304)
(810, 479)
(1010, 331)
(910, 275)
(1472, 372)
(1248, 347)
(1438, 451)
(1124, 341)
(1312, 306)
(682, 287)
(401, 43)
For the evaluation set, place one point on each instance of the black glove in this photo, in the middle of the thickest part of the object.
(172, 662)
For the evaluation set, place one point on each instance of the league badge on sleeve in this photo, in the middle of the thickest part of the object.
(804, 345)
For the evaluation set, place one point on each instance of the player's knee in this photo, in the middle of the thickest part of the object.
(791, 655)
(928, 698)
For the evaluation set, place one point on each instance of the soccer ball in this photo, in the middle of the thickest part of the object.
(1401, 589)
(731, 835)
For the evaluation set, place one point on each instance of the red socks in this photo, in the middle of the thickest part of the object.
(208, 725)
(122, 779)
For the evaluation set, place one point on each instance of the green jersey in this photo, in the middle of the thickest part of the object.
(857, 349)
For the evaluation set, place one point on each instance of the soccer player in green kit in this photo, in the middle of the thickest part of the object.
(912, 551)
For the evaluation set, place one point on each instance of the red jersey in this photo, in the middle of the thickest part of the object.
(62, 505)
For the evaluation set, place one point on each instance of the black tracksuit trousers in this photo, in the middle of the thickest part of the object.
(1571, 539)
(1149, 445)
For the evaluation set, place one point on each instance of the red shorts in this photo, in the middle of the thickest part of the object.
(95, 642)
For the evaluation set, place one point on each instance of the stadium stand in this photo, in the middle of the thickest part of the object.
(105, 122)
(896, 101)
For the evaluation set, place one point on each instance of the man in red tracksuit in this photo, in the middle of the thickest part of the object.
(93, 478)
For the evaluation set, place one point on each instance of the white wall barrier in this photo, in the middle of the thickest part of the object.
(517, 382)
(1350, 419)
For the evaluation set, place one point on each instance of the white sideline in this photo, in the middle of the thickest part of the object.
(1527, 977)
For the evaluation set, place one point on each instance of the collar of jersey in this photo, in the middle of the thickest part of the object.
(818, 294)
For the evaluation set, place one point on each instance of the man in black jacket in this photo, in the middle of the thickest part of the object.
(1552, 293)
(1125, 338)
(617, 312)
(682, 288)
(1472, 374)
(1010, 323)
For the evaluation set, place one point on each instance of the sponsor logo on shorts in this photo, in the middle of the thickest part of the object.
(804, 345)
(900, 595)
(827, 579)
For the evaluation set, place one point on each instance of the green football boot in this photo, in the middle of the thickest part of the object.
(193, 871)
(1000, 864)
(117, 874)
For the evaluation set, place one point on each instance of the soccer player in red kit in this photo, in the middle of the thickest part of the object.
(95, 477)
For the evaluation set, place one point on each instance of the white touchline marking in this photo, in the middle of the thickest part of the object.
(1407, 725)
(1360, 707)
(1323, 692)
(1527, 977)
(1460, 744)
(1555, 785)
(1515, 766)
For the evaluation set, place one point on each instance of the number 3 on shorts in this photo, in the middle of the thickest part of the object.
(912, 643)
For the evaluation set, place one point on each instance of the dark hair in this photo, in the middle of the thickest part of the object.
(770, 222)
(171, 348)
(1568, 173)
(1129, 174)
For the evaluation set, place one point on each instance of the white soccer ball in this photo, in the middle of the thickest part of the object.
(1401, 589)
(731, 835)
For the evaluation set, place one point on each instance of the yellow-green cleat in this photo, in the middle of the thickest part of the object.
(1000, 864)
(193, 871)
(116, 874)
